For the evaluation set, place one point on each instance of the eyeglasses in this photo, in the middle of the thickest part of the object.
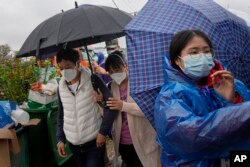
(110, 49)
(199, 55)
(194, 51)
(196, 56)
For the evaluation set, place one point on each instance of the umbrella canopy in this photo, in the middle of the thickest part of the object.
(149, 34)
(84, 25)
(243, 15)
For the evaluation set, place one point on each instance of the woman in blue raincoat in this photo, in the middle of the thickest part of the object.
(201, 112)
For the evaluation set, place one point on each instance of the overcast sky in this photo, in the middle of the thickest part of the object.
(19, 17)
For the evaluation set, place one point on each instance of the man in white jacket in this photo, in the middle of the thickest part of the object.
(79, 118)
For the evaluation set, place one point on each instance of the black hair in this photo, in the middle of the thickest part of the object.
(115, 60)
(67, 54)
(180, 41)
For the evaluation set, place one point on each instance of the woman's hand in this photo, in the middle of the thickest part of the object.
(223, 83)
(61, 149)
(114, 104)
(98, 69)
(97, 96)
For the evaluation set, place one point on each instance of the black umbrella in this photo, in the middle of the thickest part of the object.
(81, 26)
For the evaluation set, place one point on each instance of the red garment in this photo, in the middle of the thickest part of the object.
(207, 81)
(238, 98)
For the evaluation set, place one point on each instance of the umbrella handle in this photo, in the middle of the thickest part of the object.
(90, 65)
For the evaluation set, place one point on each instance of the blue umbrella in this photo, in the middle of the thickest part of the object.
(149, 34)
(243, 15)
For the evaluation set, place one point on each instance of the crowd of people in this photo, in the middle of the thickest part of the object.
(201, 112)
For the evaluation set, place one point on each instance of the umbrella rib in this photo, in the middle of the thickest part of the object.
(92, 34)
(45, 22)
(110, 16)
(59, 29)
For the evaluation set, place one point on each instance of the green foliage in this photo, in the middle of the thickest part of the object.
(15, 79)
(48, 74)
(16, 76)
(44, 72)
(4, 50)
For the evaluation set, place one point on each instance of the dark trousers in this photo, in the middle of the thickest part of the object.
(129, 156)
(88, 155)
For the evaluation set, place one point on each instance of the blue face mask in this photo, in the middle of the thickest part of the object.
(198, 66)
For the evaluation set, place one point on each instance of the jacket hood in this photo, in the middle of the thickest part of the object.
(171, 74)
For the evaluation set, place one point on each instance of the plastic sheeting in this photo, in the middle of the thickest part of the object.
(5, 111)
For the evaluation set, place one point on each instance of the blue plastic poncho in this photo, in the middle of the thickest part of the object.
(197, 127)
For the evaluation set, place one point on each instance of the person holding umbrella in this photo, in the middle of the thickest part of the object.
(79, 117)
(201, 112)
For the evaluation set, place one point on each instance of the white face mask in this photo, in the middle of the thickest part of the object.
(198, 66)
(110, 51)
(118, 77)
(69, 74)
